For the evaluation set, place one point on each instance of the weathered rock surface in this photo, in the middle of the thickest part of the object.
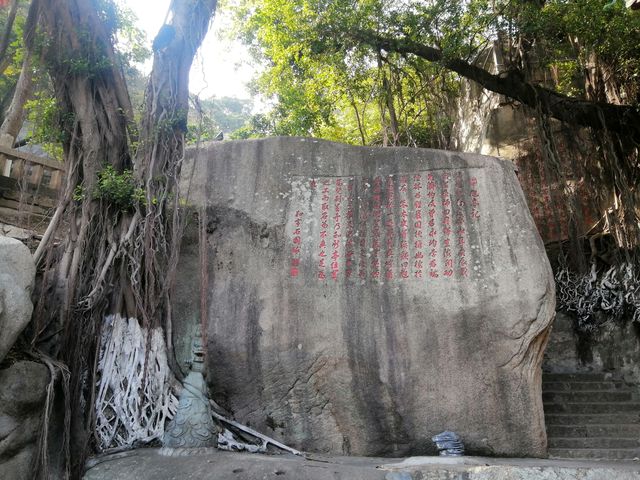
(17, 272)
(147, 464)
(22, 396)
(614, 348)
(363, 300)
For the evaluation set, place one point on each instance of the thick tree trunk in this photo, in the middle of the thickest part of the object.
(111, 259)
(6, 37)
(160, 154)
(86, 84)
(14, 116)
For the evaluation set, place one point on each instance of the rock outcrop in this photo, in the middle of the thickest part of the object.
(17, 273)
(22, 397)
(23, 384)
(363, 300)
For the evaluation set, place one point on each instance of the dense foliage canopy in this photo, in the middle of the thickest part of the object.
(377, 70)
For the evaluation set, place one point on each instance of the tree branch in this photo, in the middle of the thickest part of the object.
(622, 119)
(6, 37)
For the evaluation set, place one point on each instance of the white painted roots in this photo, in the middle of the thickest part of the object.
(134, 397)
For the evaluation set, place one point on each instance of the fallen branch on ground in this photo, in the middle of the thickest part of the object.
(265, 440)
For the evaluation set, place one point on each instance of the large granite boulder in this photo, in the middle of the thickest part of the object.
(22, 398)
(17, 273)
(362, 300)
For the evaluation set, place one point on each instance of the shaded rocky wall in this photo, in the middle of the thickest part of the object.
(22, 397)
(17, 274)
(614, 348)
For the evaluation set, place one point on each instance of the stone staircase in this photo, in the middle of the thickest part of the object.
(591, 415)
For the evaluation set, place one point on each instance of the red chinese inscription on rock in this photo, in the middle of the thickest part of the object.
(394, 228)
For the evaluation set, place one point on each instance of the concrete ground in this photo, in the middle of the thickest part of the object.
(148, 464)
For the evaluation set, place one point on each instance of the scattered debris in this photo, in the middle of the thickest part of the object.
(265, 441)
(449, 444)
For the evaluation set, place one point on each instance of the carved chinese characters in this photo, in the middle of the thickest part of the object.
(297, 239)
(399, 227)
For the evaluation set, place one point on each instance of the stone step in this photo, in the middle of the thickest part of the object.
(596, 453)
(595, 442)
(576, 377)
(579, 386)
(586, 396)
(591, 419)
(582, 431)
(596, 407)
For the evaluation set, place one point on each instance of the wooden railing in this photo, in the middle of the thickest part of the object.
(29, 184)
